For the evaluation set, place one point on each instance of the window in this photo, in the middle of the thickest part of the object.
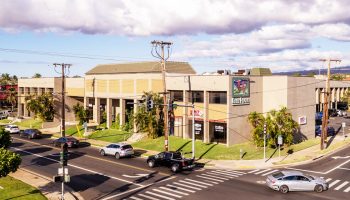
(278, 175)
(116, 146)
(218, 97)
(198, 96)
(289, 178)
(167, 156)
(177, 95)
(302, 178)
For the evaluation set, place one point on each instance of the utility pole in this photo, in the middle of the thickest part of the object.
(325, 103)
(156, 47)
(63, 156)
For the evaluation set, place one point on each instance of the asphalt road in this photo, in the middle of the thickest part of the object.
(97, 177)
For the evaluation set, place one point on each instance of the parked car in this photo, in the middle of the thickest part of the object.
(171, 159)
(118, 150)
(332, 113)
(71, 141)
(330, 131)
(286, 181)
(12, 128)
(318, 116)
(3, 114)
(30, 133)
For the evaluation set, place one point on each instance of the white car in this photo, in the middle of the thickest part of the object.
(286, 181)
(12, 128)
(117, 150)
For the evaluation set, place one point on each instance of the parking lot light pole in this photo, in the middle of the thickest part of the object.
(264, 141)
(193, 139)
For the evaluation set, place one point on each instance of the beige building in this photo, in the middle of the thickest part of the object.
(222, 102)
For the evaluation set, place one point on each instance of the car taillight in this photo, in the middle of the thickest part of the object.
(183, 163)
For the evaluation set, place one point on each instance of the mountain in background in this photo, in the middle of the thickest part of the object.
(337, 70)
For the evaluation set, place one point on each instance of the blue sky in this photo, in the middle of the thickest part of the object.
(210, 35)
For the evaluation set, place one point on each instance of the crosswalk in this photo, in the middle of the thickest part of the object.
(187, 186)
(334, 184)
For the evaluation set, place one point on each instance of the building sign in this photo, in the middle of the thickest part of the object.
(197, 128)
(197, 113)
(302, 120)
(219, 128)
(240, 91)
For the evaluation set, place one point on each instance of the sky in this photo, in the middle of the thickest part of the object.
(283, 35)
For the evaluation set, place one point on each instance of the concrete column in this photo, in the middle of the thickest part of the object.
(96, 111)
(206, 135)
(122, 112)
(86, 102)
(317, 93)
(186, 126)
(109, 112)
(19, 108)
(25, 111)
(135, 111)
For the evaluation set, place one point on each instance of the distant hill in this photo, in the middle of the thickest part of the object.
(340, 70)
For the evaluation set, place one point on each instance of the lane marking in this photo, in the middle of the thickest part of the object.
(218, 177)
(344, 168)
(347, 189)
(270, 172)
(75, 166)
(158, 195)
(167, 193)
(148, 197)
(231, 171)
(328, 179)
(253, 171)
(215, 173)
(341, 185)
(180, 188)
(304, 170)
(344, 163)
(193, 184)
(213, 179)
(135, 198)
(333, 183)
(135, 176)
(262, 171)
(97, 158)
(187, 186)
(172, 190)
(198, 182)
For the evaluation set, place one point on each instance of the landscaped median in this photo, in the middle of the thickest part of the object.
(12, 188)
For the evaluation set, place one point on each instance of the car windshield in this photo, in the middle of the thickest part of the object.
(310, 177)
(278, 175)
(177, 156)
(127, 147)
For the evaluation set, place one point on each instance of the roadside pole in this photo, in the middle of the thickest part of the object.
(193, 139)
(264, 141)
(280, 142)
(343, 126)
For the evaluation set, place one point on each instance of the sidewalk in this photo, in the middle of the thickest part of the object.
(48, 188)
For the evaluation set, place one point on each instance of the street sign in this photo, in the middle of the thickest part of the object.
(60, 171)
(280, 140)
(343, 124)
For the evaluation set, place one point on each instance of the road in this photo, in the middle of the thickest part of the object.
(97, 177)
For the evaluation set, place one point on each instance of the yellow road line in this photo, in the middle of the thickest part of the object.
(121, 164)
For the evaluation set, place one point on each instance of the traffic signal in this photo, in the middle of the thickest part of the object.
(149, 104)
(64, 154)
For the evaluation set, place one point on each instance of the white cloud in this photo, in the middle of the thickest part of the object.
(166, 17)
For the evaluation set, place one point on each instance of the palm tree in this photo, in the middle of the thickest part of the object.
(12, 97)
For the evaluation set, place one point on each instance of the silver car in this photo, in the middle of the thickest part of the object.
(286, 181)
(12, 128)
(117, 150)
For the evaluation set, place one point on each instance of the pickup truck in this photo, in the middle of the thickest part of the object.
(171, 159)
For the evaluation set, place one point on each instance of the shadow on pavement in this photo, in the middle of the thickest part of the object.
(82, 182)
(139, 152)
(84, 144)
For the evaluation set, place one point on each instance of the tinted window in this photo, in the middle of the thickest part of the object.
(278, 175)
(302, 178)
(127, 147)
(217, 97)
(116, 146)
(177, 156)
(110, 146)
(289, 178)
(176, 95)
(167, 155)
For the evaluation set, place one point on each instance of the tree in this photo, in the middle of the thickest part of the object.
(9, 161)
(41, 106)
(12, 97)
(37, 75)
(277, 123)
(151, 122)
(338, 77)
(296, 74)
(311, 74)
(80, 113)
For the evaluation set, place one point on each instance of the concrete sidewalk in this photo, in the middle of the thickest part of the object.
(51, 190)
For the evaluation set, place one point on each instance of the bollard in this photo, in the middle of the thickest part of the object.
(240, 154)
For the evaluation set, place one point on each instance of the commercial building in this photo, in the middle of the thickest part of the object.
(222, 101)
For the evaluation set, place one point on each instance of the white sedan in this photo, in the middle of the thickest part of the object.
(117, 150)
(12, 128)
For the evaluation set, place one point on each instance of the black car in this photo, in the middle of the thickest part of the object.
(330, 131)
(30, 133)
(171, 159)
(71, 141)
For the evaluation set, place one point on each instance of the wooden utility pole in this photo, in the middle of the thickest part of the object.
(159, 46)
(325, 102)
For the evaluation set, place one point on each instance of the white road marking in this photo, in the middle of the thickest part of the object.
(148, 197)
(232, 171)
(270, 172)
(261, 182)
(304, 170)
(328, 179)
(135, 198)
(172, 177)
(253, 171)
(347, 189)
(159, 195)
(135, 176)
(198, 182)
(213, 179)
(172, 190)
(223, 174)
(167, 193)
(180, 188)
(194, 184)
(216, 176)
(341, 157)
(344, 168)
(229, 173)
(333, 183)
(187, 186)
(262, 171)
(344, 163)
(341, 185)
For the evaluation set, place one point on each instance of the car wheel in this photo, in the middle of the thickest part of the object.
(117, 155)
(318, 188)
(102, 152)
(284, 189)
(151, 163)
(175, 168)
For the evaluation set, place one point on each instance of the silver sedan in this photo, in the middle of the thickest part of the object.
(286, 181)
